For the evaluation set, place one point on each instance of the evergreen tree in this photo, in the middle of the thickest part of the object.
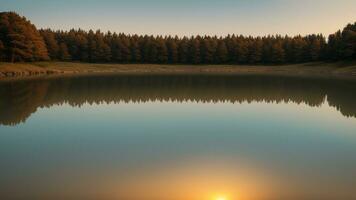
(116, 49)
(255, 51)
(207, 51)
(183, 51)
(162, 52)
(348, 38)
(82, 43)
(241, 50)
(2, 48)
(194, 51)
(335, 46)
(135, 50)
(20, 41)
(152, 50)
(71, 42)
(172, 51)
(278, 53)
(145, 49)
(267, 49)
(63, 53)
(221, 52)
(299, 45)
(51, 43)
(125, 48)
(231, 45)
(314, 48)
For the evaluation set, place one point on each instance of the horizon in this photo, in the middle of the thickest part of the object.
(208, 18)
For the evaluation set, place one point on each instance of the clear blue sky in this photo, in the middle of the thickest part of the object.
(189, 17)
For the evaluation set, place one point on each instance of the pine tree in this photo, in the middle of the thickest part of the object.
(299, 45)
(241, 50)
(20, 41)
(116, 46)
(63, 53)
(231, 45)
(125, 48)
(288, 47)
(314, 48)
(152, 51)
(221, 52)
(71, 42)
(183, 51)
(2, 49)
(82, 43)
(51, 43)
(207, 51)
(135, 50)
(255, 51)
(348, 37)
(194, 51)
(172, 51)
(278, 53)
(19, 48)
(162, 52)
(99, 51)
(146, 48)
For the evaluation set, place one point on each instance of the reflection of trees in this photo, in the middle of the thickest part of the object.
(20, 99)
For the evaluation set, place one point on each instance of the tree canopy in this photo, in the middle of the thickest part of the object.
(20, 41)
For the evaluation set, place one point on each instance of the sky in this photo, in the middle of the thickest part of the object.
(189, 17)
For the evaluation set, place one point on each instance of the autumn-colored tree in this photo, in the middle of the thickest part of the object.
(21, 40)
(51, 43)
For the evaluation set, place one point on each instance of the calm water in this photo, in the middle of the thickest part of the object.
(178, 138)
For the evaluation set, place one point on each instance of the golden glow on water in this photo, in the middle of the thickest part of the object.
(113, 141)
(196, 180)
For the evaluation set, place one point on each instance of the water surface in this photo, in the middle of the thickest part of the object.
(177, 137)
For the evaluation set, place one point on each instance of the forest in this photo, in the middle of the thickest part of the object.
(21, 41)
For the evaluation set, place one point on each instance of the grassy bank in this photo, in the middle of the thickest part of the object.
(38, 69)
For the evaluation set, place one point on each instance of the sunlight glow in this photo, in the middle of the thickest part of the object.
(221, 198)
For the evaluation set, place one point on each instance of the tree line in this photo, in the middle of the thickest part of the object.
(22, 98)
(21, 41)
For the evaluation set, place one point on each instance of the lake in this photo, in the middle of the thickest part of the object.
(178, 137)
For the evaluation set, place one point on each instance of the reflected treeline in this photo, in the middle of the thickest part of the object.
(18, 100)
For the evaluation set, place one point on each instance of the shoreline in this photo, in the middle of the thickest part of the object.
(24, 71)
